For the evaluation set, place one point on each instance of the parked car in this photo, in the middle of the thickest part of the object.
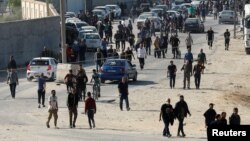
(115, 69)
(163, 7)
(79, 24)
(45, 65)
(105, 8)
(173, 13)
(193, 25)
(101, 14)
(72, 19)
(93, 40)
(93, 28)
(157, 10)
(227, 16)
(70, 14)
(116, 9)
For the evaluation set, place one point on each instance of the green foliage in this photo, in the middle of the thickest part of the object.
(14, 3)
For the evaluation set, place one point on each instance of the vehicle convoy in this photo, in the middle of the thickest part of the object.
(45, 65)
(246, 24)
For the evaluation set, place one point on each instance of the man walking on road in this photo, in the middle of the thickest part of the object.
(181, 111)
(142, 55)
(90, 110)
(227, 39)
(210, 115)
(72, 104)
(53, 109)
(197, 74)
(174, 40)
(123, 92)
(187, 67)
(41, 90)
(12, 63)
(98, 58)
(12, 80)
(167, 114)
(210, 37)
(189, 40)
(202, 58)
(172, 73)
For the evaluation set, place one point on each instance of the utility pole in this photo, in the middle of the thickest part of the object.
(235, 16)
(63, 31)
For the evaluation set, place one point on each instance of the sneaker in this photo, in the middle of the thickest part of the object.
(128, 109)
(39, 106)
(70, 126)
(169, 135)
(43, 105)
(74, 126)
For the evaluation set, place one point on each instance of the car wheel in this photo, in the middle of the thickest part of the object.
(135, 77)
(102, 81)
(52, 78)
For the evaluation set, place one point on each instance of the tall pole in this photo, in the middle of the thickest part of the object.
(235, 11)
(63, 38)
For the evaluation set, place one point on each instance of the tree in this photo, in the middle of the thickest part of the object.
(14, 3)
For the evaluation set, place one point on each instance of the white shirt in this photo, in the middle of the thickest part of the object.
(53, 102)
(141, 52)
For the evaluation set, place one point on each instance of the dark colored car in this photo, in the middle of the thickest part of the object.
(115, 69)
(193, 25)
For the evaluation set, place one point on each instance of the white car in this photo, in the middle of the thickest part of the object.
(157, 10)
(107, 9)
(93, 28)
(149, 13)
(116, 9)
(93, 40)
(39, 65)
(173, 13)
(140, 20)
(70, 14)
(79, 24)
(73, 19)
(101, 14)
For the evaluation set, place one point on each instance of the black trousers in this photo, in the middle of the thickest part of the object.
(197, 80)
(180, 127)
(172, 81)
(72, 111)
(166, 127)
(41, 95)
(142, 62)
(13, 90)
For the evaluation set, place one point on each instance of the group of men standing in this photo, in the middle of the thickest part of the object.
(188, 69)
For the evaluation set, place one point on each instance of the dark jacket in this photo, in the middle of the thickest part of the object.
(72, 100)
(178, 109)
(234, 119)
(90, 104)
(209, 116)
(12, 64)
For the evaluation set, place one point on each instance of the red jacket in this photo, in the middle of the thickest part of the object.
(90, 104)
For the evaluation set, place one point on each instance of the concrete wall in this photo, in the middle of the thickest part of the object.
(26, 39)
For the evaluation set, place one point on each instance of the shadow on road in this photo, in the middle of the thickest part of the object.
(142, 82)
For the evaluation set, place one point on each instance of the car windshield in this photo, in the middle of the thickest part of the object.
(227, 13)
(112, 7)
(247, 21)
(92, 36)
(39, 62)
(101, 8)
(143, 16)
(191, 21)
(97, 12)
(88, 29)
(79, 25)
(114, 63)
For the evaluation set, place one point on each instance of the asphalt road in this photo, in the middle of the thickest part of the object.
(18, 112)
